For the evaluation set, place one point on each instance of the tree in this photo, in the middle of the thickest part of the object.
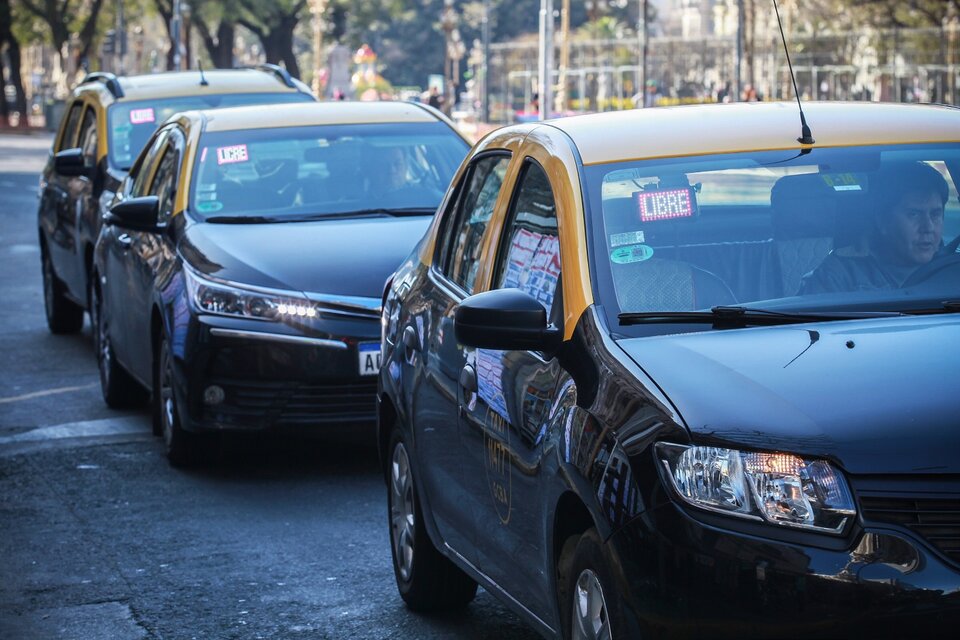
(8, 39)
(273, 22)
(217, 41)
(62, 18)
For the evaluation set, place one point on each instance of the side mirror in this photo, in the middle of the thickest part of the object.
(137, 214)
(71, 162)
(507, 319)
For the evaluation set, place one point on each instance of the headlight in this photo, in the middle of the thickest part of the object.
(227, 300)
(778, 488)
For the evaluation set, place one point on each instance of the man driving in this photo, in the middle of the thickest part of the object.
(906, 233)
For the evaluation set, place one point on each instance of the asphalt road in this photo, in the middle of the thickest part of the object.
(101, 538)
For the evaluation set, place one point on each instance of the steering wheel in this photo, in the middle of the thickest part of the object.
(946, 262)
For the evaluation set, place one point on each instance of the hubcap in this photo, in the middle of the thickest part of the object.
(102, 342)
(589, 609)
(166, 395)
(402, 530)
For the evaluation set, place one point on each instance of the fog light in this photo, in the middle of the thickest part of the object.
(213, 395)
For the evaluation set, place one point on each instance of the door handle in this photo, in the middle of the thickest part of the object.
(468, 379)
(410, 341)
(125, 241)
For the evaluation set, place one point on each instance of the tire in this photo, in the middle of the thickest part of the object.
(63, 315)
(592, 606)
(427, 580)
(120, 390)
(182, 447)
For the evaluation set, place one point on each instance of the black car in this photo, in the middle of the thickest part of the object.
(239, 273)
(650, 376)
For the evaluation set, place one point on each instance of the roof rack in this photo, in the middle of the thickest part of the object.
(278, 71)
(108, 79)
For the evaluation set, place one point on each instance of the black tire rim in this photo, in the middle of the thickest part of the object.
(590, 621)
(48, 292)
(402, 520)
(102, 341)
(165, 397)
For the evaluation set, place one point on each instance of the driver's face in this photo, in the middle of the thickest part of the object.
(912, 229)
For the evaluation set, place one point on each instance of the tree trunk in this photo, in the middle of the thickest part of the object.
(4, 110)
(222, 56)
(13, 52)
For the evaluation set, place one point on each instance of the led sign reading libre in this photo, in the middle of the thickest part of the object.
(664, 205)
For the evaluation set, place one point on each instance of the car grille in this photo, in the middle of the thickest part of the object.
(936, 520)
(294, 404)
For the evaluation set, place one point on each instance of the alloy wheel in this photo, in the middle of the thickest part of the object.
(101, 340)
(167, 414)
(589, 609)
(402, 529)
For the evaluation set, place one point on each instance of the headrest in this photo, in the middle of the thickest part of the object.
(804, 206)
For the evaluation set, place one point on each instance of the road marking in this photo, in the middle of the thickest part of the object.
(23, 248)
(46, 392)
(128, 425)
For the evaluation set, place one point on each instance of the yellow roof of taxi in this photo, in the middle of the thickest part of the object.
(314, 113)
(187, 83)
(752, 126)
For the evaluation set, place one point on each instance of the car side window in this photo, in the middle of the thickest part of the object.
(144, 166)
(88, 136)
(164, 184)
(69, 136)
(464, 237)
(528, 256)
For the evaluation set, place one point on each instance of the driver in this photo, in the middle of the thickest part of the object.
(907, 232)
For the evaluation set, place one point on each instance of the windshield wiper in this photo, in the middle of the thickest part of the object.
(738, 316)
(242, 219)
(392, 211)
(333, 215)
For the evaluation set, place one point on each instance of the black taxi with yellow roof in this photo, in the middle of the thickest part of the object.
(238, 275)
(107, 122)
(675, 372)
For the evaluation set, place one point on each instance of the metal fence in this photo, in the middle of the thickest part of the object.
(909, 65)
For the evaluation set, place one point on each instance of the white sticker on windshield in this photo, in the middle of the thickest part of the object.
(230, 155)
(630, 237)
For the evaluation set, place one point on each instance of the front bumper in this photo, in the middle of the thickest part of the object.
(273, 376)
(683, 577)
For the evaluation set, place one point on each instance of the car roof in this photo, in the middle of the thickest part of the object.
(752, 126)
(314, 113)
(187, 83)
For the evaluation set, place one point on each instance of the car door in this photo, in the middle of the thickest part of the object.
(57, 212)
(504, 401)
(433, 357)
(150, 253)
(83, 196)
(119, 269)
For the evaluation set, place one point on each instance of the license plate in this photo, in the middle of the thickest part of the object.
(369, 354)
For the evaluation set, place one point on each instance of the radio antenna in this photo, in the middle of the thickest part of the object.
(805, 136)
(203, 78)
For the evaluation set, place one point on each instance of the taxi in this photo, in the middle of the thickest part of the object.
(675, 372)
(108, 120)
(238, 274)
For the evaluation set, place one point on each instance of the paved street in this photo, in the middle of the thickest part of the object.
(101, 538)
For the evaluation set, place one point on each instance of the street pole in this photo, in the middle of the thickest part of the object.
(564, 56)
(121, 41)
(317, 8)
(176, 23)
(739, 47)
(644, 51)
(485, 81)
(546, 57)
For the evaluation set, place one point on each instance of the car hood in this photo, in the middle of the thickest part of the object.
(349, 257)
(879, 396)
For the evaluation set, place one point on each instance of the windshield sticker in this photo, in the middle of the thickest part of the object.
(142, 116)
(203, 155)
(842, 181)
(636, 253)
(630, 237)
(231, 155)
(209, 207)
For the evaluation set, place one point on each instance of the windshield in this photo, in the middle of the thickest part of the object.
(132, 123)
(842, 229)
(300, 172)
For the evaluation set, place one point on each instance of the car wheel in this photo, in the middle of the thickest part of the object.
(181, 446)
(120, 390)
(63, 315)
(593, 605)
(426, 579)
